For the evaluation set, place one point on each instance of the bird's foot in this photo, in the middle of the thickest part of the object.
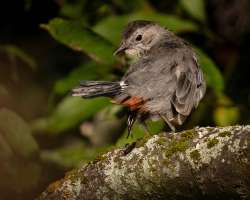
(129, 148)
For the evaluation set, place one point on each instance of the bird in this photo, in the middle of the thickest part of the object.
(164, 81)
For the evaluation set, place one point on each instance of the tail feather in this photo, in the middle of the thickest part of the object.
(90, 89)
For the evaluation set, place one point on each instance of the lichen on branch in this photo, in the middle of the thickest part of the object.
(202, 162)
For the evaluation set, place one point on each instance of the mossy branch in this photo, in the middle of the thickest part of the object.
(210, 163)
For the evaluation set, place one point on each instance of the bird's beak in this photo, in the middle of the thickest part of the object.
(121, 49)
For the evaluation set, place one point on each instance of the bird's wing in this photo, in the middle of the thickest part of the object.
(190, 85)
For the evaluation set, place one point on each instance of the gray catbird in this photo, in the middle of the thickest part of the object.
(164, 81)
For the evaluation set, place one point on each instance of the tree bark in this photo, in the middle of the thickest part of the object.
(207, 163)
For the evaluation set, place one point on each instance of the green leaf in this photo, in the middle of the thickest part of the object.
(73, 9)
(5, 150)
(196, 8)
(226, 113)
(15, 52)
(86, 71)
(212, 74)
(71, 155)
(17, 133)
(67, 157)
(73, 110)
(226, 116)
(112, 27)
(106, 127)
(3, 91)
(80, 38)
(171, 22)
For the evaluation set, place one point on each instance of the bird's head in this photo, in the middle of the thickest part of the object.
(139, 37)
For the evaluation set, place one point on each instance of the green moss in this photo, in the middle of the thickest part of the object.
(188, 134)
(248, 141)
(176, 146)
(162, 141)
(212, 142)
(140, 142)
(53, 186)
(195, 155)
(70, 174)
(210, 129)
(99, 158)
(225, 133)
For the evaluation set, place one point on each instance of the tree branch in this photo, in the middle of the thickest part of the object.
(210, 163)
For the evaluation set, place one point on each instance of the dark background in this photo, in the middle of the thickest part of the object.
(44, 132)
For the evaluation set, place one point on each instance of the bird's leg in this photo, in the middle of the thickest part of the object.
(145, 128)
(168, 123)
(142, 117)
(129, 148)
(131, 120)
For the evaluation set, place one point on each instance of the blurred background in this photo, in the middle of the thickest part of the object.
(47, 46)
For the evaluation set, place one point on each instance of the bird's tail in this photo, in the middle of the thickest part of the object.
(90, 89)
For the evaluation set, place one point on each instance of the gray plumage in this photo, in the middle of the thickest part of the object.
(91, 89)
(170, 82)
(165, 75)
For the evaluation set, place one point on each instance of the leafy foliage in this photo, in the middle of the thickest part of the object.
(17, 134)
(196, 8)
(85, 71)
(212, 74)
(15, 52)
(172, 22)
(18, 171)
(80, 38)
(71, 111)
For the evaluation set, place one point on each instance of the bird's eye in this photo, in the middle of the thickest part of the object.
(138, 38)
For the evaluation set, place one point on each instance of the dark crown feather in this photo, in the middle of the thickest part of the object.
(134, 25)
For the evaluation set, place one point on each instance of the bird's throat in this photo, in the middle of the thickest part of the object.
(132, 54)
